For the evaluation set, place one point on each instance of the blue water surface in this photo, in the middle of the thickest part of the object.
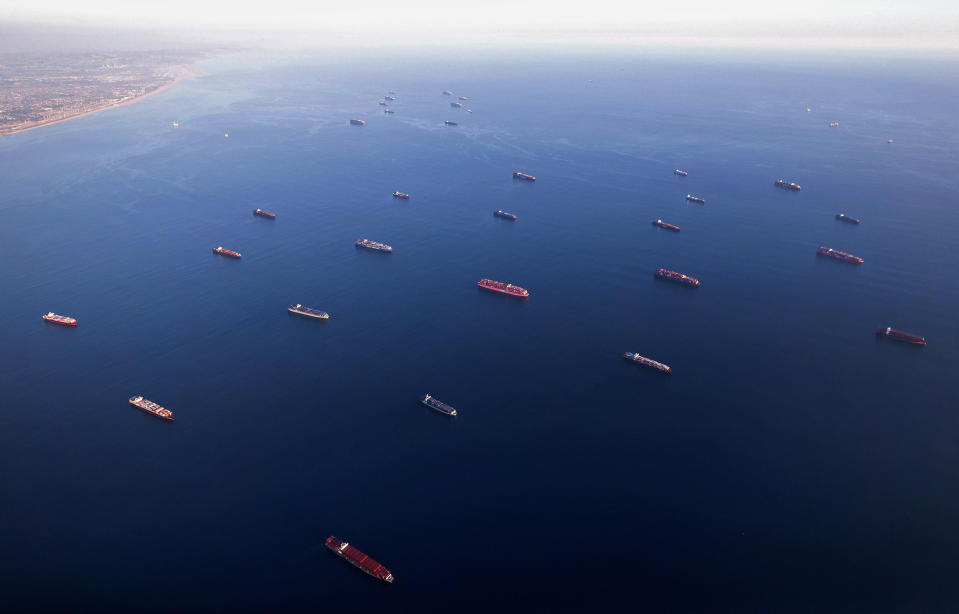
(792, 461)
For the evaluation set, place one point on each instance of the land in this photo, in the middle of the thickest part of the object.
(42, 89)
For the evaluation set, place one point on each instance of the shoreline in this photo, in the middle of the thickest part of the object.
(187, 73)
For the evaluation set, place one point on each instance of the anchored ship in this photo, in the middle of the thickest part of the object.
(373, 245)
(308, 312)
(833, 124)
(523, 176)
(402, 195)
(788, 185)
(665, 225)
(263, 213)
(382, 103)
(838, 255)
(390, 98)
(498, 286)
(680, 173)
(842, 217)
(447, 93)
(357, 122)
(358, 559)
(437, 405)
(898, 335)
(449, 123)
(456, 105)
(646, 361)
(390, 111)
(62, 320)
(679, 278)
(695, 199)
(153, 408)
(463, 98)
(505, 215)
(226, 252)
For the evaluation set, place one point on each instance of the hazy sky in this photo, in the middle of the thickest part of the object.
(900, 23)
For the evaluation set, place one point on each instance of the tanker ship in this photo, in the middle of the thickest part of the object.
(842, 217)
(646, 362)
(898, 335)
(265, 214)
(523, 176)
(437, 405)
(695, 199)
(838, 255)
(227, 252)
(665, 225)
(505, 215)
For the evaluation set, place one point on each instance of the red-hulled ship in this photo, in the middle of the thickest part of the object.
(898, 335)
(153, 408)
(226, 252)
(838, 255)
(523, 176)
(402, 195)
(498, 286)
(678, 278)
(648, 362)
(263, 213)
(357, 558)
(62, 320)
(665, 225)
(788, 185)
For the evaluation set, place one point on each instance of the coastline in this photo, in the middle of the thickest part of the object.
(186, 73)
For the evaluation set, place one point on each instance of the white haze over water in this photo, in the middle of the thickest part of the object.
(917, 24)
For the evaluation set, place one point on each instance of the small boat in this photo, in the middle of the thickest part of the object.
(176, 124)
(308, 312)
(62, 320)
(437, 405)
(402, 195)
(833, 124)
(263, 213)
(469, 110)
(357, 122)
(681, 173)
(226, 135)
(505, 215)
(227, 252)
(890, 141)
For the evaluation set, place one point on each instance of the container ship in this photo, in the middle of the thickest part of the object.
(359, 559)
(842, 217)
(62, 320)
(505, 215)
(898, 335)
(681, 173)
(646, 361)
(357, 122)
(695, 199)
(498, 286)
(373, 245)
(263, 213)
(679, 278)
(402, 195)
(788, 185)
(456, 105)
(666, 225)
(838, 255)
(449, 123)
(523, 176)
(437, 405)
(308, 312)
(227, 252)
(153, 408)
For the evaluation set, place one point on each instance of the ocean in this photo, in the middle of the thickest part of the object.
(791, 462)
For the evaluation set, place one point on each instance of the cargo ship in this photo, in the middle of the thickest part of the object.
(838, 255)
(898, 335)
(308, 312)
(695, 199)
(523, 176)
(842, 217)
(463, 98)
(456, 105)
(447, 93)
(646, 361)
(449, 123)
(389, 111)
(357, 122)
(390, 98)
(358, 559)
(402, 195)
(788, 185)
(153, 408)
(678, 278)
(263, 213)
(227, 252)
(382, 103)
(666, 225)
(498, 286)
(681, 173)
(437, 405)
(373, 245)
(833, 124)
(62, 320)
(505, 214)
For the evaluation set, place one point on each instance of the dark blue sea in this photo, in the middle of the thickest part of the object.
(792, 461)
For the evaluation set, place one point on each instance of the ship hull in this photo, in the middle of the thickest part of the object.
(438, 406)
(676, 278)
(646, 362)
(312, 315)
(898, 335)
(60, 321)
(358, 559)
(266, 214)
